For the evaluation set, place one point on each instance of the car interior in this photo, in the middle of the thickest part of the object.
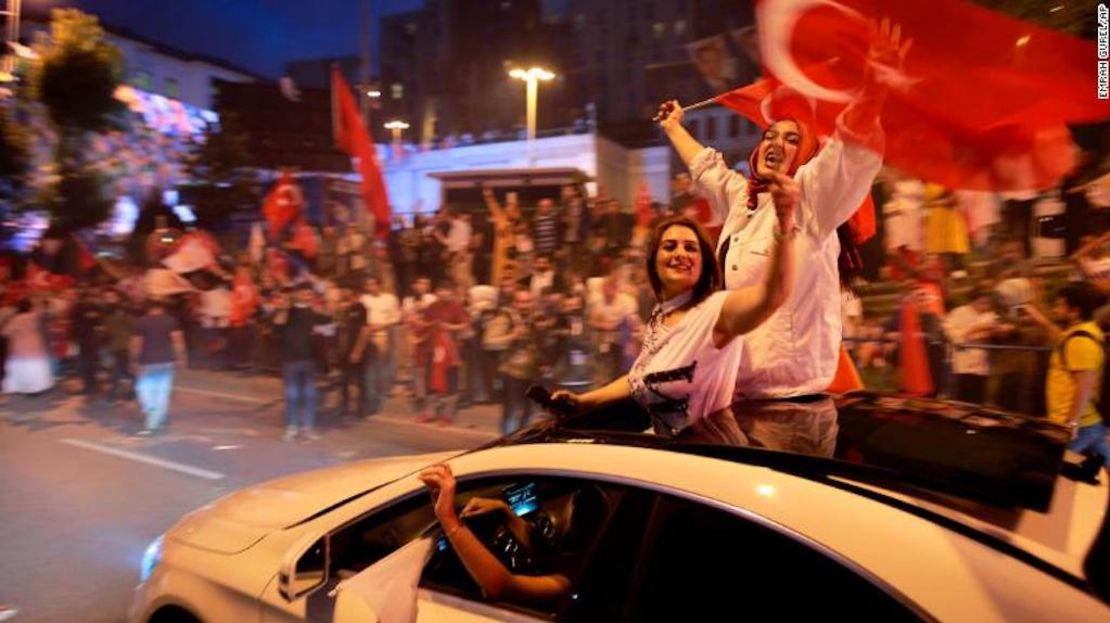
(564, 518)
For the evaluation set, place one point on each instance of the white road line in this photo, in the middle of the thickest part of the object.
(143, 458)
(239, 397)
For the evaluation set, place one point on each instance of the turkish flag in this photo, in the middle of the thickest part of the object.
(913, 360)
(351, 136)
(982, 102)
(283, 204)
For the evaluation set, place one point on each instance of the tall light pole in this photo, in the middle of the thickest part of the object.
(396, 126)
(531, 78)
(11, 13)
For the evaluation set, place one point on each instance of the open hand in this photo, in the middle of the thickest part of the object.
(786, 195)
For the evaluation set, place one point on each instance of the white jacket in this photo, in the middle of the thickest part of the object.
(795, 352)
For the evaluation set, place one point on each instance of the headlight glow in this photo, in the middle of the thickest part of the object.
(151, 557)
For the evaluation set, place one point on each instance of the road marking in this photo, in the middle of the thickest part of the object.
(143, 458)
(239, 397)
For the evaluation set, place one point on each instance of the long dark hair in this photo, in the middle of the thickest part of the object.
(709, 281)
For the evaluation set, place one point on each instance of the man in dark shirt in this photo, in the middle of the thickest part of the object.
(352, 319)
(294, 325)
(545, 228)
(156, 344)
(87, 329)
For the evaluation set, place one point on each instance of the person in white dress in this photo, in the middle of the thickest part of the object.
(688, 366)
(27, 370)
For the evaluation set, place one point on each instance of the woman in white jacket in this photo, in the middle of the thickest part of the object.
(794, 353)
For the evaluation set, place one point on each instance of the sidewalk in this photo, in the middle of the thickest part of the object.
(266, 389)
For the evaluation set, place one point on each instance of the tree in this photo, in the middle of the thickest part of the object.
(220, 169)
(75, 78)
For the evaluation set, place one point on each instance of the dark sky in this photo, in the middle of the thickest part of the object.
(258, 35)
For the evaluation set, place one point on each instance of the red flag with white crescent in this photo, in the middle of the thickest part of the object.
(351, 136)
(981, 103)
(283, 204)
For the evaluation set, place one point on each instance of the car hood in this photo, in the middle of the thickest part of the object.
(237, 521)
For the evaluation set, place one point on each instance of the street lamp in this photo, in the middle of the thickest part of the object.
(396, 127)
(373, 94)
(531, 78)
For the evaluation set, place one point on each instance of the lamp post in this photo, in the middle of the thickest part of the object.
(396, 127)
(12, 13)
(531, 78)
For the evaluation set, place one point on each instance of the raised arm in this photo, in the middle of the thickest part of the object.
(494, 206)
(747, 308)
(724, 188)
(491, 574)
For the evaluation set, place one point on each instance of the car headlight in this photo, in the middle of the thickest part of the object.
(151, 557)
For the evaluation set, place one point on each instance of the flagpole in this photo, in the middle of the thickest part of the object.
(694, 106)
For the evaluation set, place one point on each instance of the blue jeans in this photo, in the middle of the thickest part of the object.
(1092, 438)
(377, 380)
(517, 408)
(300, 391)
(153, 387)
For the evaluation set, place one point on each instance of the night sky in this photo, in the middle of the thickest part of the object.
(258, 35)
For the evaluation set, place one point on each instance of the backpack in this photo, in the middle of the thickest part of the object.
(1102, 400)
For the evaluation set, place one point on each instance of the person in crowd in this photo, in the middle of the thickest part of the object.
(1076, 369)
(294, 322)
(328, 253)
(27, 366)
(545, 228)
(215, 313)
(444, 320)
(525, 248)
(157, 347)
(117, 334)
(543, 277)
(945, 228)
(513, 334)
(613, 319)
(504, 239)
(351, 321)
(797, 351)
(432, 251)
(974, 323)
(573, 353)
(482, 369)
(929, 332)
(383, 312)
(575, 221)
(87, 317)
(412, 310)
(456, 242)
(243, 306)
(692, 349)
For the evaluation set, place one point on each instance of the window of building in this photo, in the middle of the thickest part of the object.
(710, 128)
(143, 80)
(679, 27)
(659, 29)
(733, 126)
(397, 90)
(172, 88)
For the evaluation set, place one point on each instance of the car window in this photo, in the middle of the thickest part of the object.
(563, 520)
(701, 563)
(562, 523)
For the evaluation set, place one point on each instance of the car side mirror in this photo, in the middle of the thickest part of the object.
(305, 569)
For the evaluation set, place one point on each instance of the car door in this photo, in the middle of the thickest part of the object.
(447, 592)
(703, 562)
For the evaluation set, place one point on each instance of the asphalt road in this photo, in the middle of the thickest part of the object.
(81, 496)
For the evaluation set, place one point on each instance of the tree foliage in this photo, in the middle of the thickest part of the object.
(77, 74)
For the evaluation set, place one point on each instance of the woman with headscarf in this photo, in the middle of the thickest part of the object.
(795, 353)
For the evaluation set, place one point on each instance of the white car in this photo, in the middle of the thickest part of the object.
(871, 508)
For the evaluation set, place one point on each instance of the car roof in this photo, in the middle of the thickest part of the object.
(920, 446)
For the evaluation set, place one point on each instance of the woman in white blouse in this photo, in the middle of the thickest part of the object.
(688, 366)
